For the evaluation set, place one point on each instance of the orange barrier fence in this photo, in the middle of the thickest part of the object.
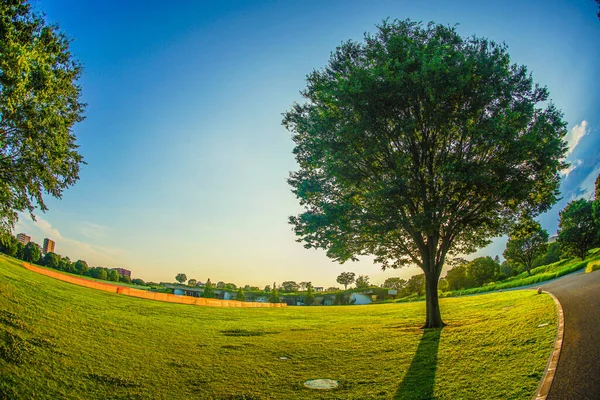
(144, 294)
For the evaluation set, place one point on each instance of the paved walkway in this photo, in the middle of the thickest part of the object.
(577, 374)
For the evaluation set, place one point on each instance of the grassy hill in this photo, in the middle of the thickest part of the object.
(59, 340)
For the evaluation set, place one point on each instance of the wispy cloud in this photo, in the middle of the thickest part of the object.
(572, 167)
(575, 135)
(587, 185)
(74, 249)
(93, 231)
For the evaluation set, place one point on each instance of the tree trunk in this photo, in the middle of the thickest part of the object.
(434, 317)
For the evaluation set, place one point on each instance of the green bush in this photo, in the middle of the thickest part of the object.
(592, 266)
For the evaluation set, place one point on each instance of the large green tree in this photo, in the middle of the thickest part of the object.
(527, 241)
(39, 105)
(578, 230)
(417, 144)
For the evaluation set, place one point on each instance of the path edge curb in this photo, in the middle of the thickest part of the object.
(550, 371)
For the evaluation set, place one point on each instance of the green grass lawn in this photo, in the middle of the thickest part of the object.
(59, 340)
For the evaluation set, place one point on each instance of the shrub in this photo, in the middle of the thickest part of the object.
(592, 266)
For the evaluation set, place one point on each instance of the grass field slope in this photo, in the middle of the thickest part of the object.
(59, 340)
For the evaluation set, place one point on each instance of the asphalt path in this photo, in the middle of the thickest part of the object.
(578, 370)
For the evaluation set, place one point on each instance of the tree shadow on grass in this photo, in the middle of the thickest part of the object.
(420, 378)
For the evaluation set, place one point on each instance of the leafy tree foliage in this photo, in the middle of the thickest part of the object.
(240, 296)
(39, 105)
(345, 278)
(332, 289)
(192, 282)
(20, 249)
(81, 267)
(417, 144)
(274, 297)
(552, 255)
(508, 269)
(32, 253)
(124, 279)
(52, 260)
(395, 283)
(310, 297)
(209, 290)
(362, 281)
(578, 231)
(443, 285)
(267, 289)
(416, 284)
(304, 285)
(483, 270)
(181, 278)
(220, 285)
(138, 281)
(102, 273)
(114, 275)
(9, 245)
(289, 286)
(527, 241)
(457, 278)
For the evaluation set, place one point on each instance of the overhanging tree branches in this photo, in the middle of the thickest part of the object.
(39, 104)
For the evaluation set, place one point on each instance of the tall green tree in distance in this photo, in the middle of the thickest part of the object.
(416, 144)
(578, 230)
(345, 278)
(39, 105)
(527, 241)
(181, 278)
(240, 296)
(362, 281)
(209, 290)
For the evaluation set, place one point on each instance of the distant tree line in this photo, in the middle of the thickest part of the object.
(32, 253)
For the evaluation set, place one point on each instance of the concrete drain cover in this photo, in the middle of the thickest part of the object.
(322, 384)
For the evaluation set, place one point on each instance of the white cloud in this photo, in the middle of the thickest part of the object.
(93, 231)
(575, 134)
(588, 184)
(571, 168)
(74, 249)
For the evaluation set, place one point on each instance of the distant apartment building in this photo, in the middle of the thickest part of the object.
(48, 246)
(23, 238)
(123, 271)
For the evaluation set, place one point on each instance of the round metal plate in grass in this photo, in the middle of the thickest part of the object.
(321, 384)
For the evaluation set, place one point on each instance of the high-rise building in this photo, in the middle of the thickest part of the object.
(48, 246)
(23, 238)
(123, 271)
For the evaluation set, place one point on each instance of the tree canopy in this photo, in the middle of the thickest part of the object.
(416, 144)
(345, 278)
(39, 105)
(578, 230)
(362, 281)
(32, 252)
(181, 278)
(527, 241)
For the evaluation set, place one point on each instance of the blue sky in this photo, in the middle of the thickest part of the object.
(187, 158)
